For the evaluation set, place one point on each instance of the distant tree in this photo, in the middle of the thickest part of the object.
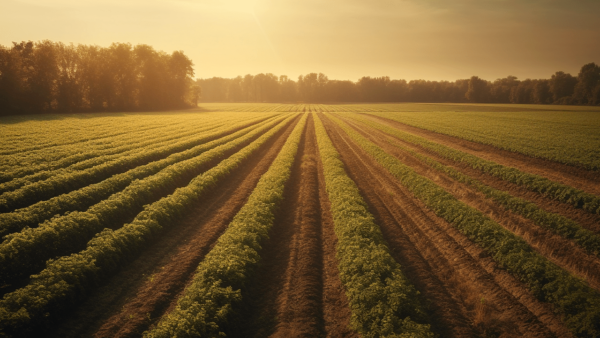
(180, 71)
(541, 92)
(523, 92)
(562, 86)
(234, 92)
(588, 81)
(288, 89)
(317, 87)
(308, 85)
(478, 90)
(13, 84)
(501, 88)
(69, 97)
(42, 76)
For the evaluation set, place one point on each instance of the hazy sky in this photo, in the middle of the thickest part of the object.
(345, 39)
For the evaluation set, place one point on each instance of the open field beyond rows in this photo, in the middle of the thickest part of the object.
(302, 220)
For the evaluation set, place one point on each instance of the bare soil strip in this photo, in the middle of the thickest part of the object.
(586, 180)
(561, 251)
(288, 296)
(468, 293)
(141, 293)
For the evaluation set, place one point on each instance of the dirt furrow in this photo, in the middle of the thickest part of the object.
(288, 296)
(579, 178)
(563, 252)
(137, 297)
(463, 284)
(584, 218)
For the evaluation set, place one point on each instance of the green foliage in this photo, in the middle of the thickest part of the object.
(27, 167)
(382, 301)
(216, 289)
(67, 181)
(554, 222)
(67, 280)
(25, 252)
(536, 183)
(83, 198)
(577, 302)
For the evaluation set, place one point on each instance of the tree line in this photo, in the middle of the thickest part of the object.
(55, 77)
(560, 88)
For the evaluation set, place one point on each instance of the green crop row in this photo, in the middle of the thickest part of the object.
(24, 173)
(65, 134)
(554, 222)
(39, 162)
(25, 252)
(67, 280)
(577, 302)
(85, 197)
(536, 183)
(207, 304)
(382, 300)
(69, 181)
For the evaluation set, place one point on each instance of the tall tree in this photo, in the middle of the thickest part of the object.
(478, 90)
(587, 85)
(562, 86)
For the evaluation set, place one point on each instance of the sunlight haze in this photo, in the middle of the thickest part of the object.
(432, 40)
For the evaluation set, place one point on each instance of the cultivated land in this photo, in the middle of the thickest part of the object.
(302, 220)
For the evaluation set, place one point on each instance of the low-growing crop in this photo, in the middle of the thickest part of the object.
(383, 302)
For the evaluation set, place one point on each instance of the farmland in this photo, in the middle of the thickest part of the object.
(273, 220)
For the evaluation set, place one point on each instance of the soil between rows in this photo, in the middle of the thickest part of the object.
(579, 178)
(467, 292)
(143, 290)
(563, 252)
(297, 291)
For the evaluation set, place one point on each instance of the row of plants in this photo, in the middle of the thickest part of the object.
(67, 280)
(536, 183)
(26, 171)
(72, 180)
(81, 199)
(67, 134)
(382, 300)
(25, 252)
(573, 298)
(556, 223)
(208, 303)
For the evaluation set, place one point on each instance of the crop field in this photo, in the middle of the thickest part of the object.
(302, 220)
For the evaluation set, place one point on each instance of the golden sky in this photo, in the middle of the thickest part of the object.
(345, 39)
